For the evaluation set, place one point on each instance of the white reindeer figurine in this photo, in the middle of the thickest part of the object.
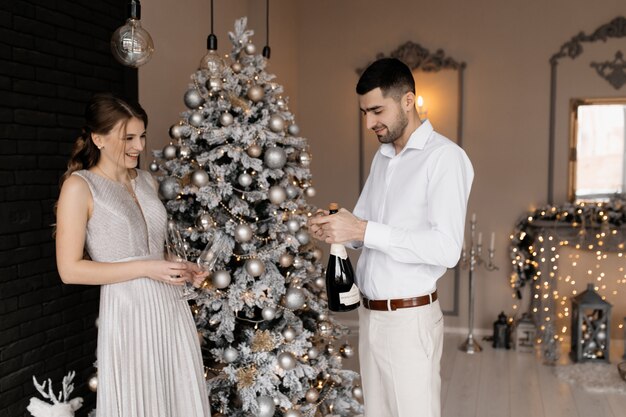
(60, 407)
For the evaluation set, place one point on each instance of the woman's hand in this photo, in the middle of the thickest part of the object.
(195, 275)
(174, 273)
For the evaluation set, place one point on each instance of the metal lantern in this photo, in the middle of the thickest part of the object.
(525, 330)
(590, 327)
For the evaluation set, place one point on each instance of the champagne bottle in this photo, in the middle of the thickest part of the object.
(343, 294)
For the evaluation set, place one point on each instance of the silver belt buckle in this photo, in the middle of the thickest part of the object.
(389, 304)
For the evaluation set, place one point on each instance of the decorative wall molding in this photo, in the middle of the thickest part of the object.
(612, 71)
(417, 57)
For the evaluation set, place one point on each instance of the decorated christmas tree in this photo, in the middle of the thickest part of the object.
(235, 180)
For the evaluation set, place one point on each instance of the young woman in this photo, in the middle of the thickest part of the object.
(149, 361)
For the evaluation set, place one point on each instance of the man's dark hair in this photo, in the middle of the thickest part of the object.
(390, 74)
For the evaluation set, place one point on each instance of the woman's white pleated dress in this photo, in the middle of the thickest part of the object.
(149, 360)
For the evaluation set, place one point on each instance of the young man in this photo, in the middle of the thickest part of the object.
(409, 220)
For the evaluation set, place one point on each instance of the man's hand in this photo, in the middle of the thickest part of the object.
(340, 227)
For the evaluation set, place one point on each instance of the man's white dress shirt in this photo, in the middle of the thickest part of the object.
(415, 204)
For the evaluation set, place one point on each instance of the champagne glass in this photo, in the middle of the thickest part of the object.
(175, 247)
(212, 252)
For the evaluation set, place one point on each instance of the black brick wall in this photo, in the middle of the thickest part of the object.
(53, 55)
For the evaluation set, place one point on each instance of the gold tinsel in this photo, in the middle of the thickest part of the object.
(245, 376)
(236, 101)
(263, 341)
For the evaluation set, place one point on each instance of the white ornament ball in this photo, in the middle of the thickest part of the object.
(266, 406)
(169, 152)
(285, 260)
(294, 298)
(226, 119)
(312, 395)
(320, 282)
(303, 237)
(310, 192)
(169, 188)
(196, 118)
(249, 49)
(292, 192)
(176, 131)
(221, 279)
(200, 178)
(276, 123)
(203, 222)
(255, 267)
(243, 233)
(268, 313)
(293, 225)
(305, 159)
(293, 129)
(357, 392)
(275, 158)
(93, 383)
(292, 413)
(154, 167)
(245, 179)
(236, 67)
(286, 360)
(347, 351)
(230, 354)
(289, 333)
(193, 99)
(277, 194)
(313, 352)
(256, 93)
(184, 152)
(254, 150)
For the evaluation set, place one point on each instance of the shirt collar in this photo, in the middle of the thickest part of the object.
(417, 140)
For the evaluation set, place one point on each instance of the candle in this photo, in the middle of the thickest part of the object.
(492, 244)
(480, 238)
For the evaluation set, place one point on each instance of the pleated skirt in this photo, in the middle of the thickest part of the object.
(149, 360)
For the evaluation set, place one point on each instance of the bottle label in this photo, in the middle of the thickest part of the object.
(338, 250)
(351, 297)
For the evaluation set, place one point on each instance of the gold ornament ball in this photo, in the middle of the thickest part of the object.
(243, 233)
(292, 413)
(309, 192)
(200, 178)
(317, 254)
(236, 67)
(249, 49)
(254, 150)
(226, 119)
(285, 260)
(276, 123)
(277, 194)
(312, 395)
(286, 360)
(221, 279)
(93, 383)
(255, 267)
(320, 282)
(256, 93)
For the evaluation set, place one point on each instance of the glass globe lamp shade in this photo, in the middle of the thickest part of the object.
(213, 63)
(131, 44)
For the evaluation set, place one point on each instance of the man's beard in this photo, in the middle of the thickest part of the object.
(396, 129)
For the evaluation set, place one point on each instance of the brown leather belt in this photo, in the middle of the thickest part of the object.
(392, 305)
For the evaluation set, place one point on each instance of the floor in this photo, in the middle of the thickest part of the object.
(505, 383)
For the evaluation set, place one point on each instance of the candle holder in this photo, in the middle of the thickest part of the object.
(471, 262)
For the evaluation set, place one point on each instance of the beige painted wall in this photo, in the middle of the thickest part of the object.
(317, 46)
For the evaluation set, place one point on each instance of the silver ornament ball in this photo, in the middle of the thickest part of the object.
(325, 328)
(176, 131)
(347, 351)
(268, 313)
(276, 123)
(254, 150)
(236, 67)
(93, 383)
(322, 316)
(292, 413)
(286, 360)
(281, 103)
(311, 395)
(303, 236)
(214, 84)
(601, 336)
(249, 49)
(183, 152)
(320, 282)
(289, 333)
(266, 406)
(310, 192)
(293, 129)
(275, 158)
(169, 188)
(154, 167)
(255, 267)
(293, 225)
(298, 263)
(230, 354)
(200, 178)
(313, 352)
(195, 119)
(277, 194)
(256, 93)
(330, 349)
(243, 233)
(203, 222)
(193, 99)
(169, 152)
(226, 119)
(285, 260)
(357, 392)
(292, 192)
(305, 159)
(245, 179)
(221, 279)
(294, 298)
